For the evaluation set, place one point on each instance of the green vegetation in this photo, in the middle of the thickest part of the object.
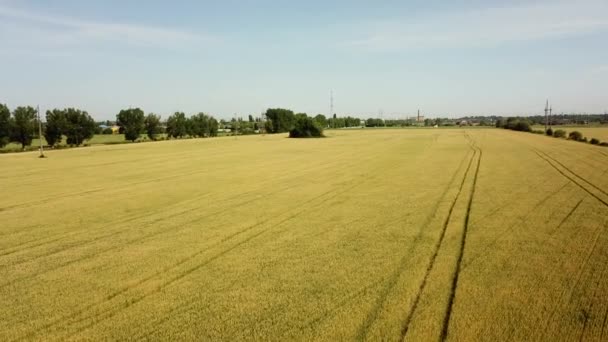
(23, 125)
(369, 235)
(306, 127)
(5, 125)
(152, 126)
(559, 133)
(279, 120)
(131, 122)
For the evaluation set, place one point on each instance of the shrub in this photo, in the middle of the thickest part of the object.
(576, 135)
(549, 131)
(559, 133)
(594, 141)
(537, 131)
(107, 130)
(305, 127)
(605, 143)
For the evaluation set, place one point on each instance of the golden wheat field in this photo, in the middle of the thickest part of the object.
(418, 234)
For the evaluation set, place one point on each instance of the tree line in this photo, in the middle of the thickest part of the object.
(77, 126)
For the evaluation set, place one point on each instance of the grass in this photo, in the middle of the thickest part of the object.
(369, 234)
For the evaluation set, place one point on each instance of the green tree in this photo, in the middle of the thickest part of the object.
(23, 125)
(305, 127)
(5, 125)
(55, 126)
(152, 126)
(177, 125)
(79, 127)
(282, 120)
(131, 122)
(321, 119)
(250, 118)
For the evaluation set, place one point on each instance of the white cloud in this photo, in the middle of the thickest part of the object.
(487, 27)
(24, 27)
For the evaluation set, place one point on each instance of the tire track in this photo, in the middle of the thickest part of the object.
(414, 307)
(164, 218)
(578, 278)
(112, 311)
(574, 173)
(96, 317)
(573, 180)
(446, 320)
(523, 219)
(139, 239)
(561, 223)
(372, 316)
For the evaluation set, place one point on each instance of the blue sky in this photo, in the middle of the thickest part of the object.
(223, 57)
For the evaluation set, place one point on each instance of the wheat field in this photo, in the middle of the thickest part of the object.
(418, 234)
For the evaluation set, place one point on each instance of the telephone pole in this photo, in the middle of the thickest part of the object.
(546, 111)
(40, 132)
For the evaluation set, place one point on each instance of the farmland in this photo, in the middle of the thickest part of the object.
(417, 234)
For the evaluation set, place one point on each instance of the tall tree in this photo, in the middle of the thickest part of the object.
(152, 124)
(177, 125)
(320, 118)
(281, 120)
(131, 122)
(250, 118)
(80, 126)
(24, 125)
(55, 126)
(5, 125)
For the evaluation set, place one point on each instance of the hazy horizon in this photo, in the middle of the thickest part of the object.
(470, 58)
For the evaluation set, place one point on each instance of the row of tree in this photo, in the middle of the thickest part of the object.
(20, 126)
(77, 126)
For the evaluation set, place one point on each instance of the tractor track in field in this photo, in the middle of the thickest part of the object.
(605, 322)
(136, 217)
(135, 240)
(572, 179)
(522, 219)
(561, 223)
(448, 314)
(67, 319)
(112, 311)
(414, 307)
(574, 173)
(578, 278)
(392, 281)
(590, 307)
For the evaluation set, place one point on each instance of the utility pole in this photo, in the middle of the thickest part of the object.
(546, 111)
(236, 127)
(331, 103)
(40, 132)
(550, 113)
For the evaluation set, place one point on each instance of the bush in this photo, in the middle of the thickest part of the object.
(576, 135)
(604, 143)
(594, 141)
(559, 133)
(537, 131)
(107, 130)
(305, 127)
(549, 132)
